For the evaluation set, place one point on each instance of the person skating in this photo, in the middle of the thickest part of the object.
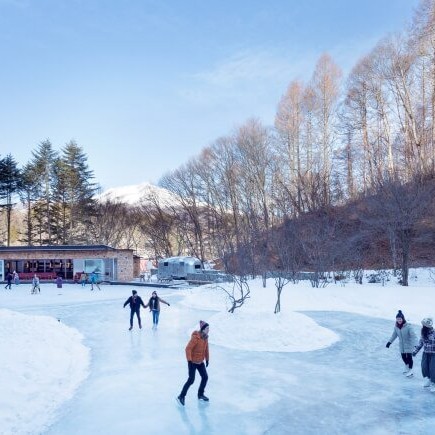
(407, 340)
(94, 280)
(196, 352)
(9, 281)
(83, 279)
(427, 341)
(16, 278)
(154, 305)
(135, 302)
(35, 285)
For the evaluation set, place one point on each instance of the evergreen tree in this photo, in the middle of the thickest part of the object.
(43, 162)
(73, 193)
(29, 195)
(9, 186)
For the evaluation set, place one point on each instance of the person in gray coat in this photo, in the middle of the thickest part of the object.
(407, 340)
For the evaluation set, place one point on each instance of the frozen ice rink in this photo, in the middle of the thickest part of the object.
(354, 386)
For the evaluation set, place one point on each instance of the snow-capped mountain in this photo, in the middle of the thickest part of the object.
(137, 193)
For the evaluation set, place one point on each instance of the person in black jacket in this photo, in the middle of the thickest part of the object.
(135, 302)
(9, 281)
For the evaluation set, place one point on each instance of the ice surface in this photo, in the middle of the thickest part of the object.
(353, 386)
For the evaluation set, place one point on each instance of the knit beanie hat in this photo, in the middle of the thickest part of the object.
(400, 315)
(134, 292)
(428, 322)
(202, 325)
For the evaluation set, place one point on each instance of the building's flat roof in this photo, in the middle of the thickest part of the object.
(57, 248)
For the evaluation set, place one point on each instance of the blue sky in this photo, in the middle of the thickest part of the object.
(144, 85)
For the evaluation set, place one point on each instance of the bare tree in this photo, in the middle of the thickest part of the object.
(285, 257)
(318, 239)
(325, 85)
(109, 223)
(289, 124)
(253, 148)
(237, 266)
(186, 185)
(158, 223)
(399, 206)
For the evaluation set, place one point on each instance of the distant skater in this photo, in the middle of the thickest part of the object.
(196, 353)
(83, 278)
(427, 341)
(16, 278)
(154, 305)
(9, 281)
(135, 302)
(407, 340)
(35, 285)
(94, 281)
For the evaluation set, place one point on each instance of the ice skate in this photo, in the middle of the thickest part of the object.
(426, 383)
(204, 398)
(180, 400)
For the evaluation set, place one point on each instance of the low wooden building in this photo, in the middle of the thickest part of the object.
(48, 262)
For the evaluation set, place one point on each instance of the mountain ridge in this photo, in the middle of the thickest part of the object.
(134, 194)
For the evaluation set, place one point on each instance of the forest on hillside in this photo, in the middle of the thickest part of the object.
(344, 179)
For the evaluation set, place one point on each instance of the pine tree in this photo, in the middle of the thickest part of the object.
(43, 162)
(29, 195)
(73, 193)
(9, 186)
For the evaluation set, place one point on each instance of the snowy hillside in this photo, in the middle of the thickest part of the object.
(137, 193)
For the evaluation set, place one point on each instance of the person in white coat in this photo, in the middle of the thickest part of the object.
(407, 341)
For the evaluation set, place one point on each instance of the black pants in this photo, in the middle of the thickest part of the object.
(407, 359)
(132, 313)
(9, 284)
(204, 378)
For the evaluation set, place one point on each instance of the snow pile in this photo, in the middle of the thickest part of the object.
(268, 332)
(255, 327)
(42, 363)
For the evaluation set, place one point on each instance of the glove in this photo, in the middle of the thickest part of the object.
(206, 363)
(414, 353)
(388, 344)
(169, 305)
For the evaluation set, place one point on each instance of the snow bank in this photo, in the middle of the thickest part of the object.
(42, 363)
(268, 332)
(255, 327)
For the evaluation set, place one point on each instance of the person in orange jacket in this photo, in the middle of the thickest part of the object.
(196, 353)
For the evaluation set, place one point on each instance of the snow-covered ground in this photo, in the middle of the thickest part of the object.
(69, 365)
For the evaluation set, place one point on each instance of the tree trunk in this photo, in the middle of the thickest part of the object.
(405, 236)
